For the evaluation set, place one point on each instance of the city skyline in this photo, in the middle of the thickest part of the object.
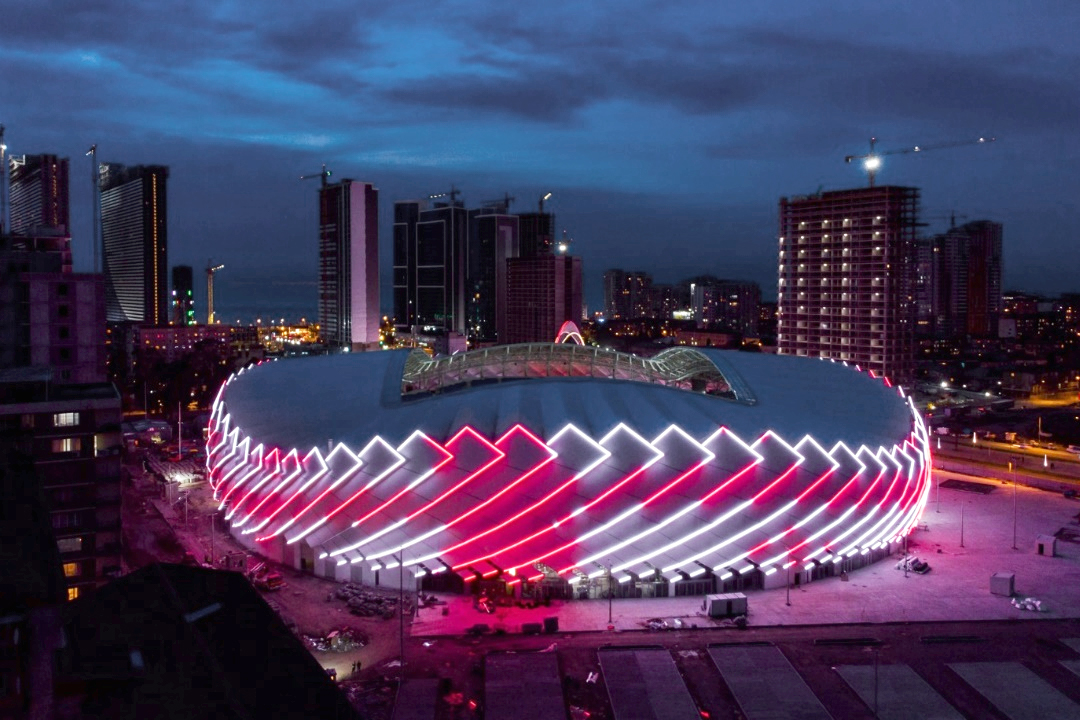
(666, 137)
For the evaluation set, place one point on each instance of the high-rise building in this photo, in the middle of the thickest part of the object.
(666, 300)
(50, 316)
(543, 292)
(134, 230)
(958, 281)
(183, 302)
(71, 434)
(430, 258)
(846, 277)
(493, 239)
(537, 233)
(39, 195)
(627, 294)
(349, 264)
(727, 304)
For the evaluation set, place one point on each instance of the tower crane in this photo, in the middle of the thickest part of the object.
(872, 160)
(951, 217)
(503, 202)
(95, 188)
(322, 175)
(454, 192)
(3, 179)
(211, 269)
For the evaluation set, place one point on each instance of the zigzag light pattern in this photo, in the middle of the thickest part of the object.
(518, 506)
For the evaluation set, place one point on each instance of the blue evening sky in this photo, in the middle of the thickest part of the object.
(666, 131)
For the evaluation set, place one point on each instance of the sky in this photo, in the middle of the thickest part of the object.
(666, 132)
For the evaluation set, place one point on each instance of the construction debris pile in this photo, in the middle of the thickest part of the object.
(913, 564)
(339, 641)
(1028, 603)
(366, 603)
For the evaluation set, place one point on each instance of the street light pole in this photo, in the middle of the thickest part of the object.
(401, 611)
(610, 595)
(1014, 509)
(876, 653)
(789, 585)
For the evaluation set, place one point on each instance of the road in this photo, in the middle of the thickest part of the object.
(1000, 459)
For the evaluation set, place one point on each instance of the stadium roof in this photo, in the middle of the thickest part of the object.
(312, 401)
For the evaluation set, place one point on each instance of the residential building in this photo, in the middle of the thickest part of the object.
(666, 300)
(430, 259)
(172, 343)
(727, 304)
(134, 228)
(71, 435)
(543, 292)
(627, 294)
(537, 233)
(50, 316)
(493, 239)
(38, 195)
(846, 277)
(958, 281)
(183, 302)
(349, 265)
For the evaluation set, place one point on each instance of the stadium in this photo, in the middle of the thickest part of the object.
(567, 470)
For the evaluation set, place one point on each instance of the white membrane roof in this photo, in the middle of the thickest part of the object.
(312, 401)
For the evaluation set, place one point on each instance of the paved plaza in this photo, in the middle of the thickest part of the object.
(956, 588)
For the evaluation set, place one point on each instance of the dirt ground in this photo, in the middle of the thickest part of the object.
(156, 532)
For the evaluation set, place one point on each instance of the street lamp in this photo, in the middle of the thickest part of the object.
(401, 611)
(610, 591)
(1013, 469)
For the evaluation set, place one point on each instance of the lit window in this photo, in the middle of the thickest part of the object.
(73, 592)
(65, 419)
(69, 544)
(66, 445)
(71, 569)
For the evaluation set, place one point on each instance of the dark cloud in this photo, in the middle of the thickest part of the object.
(534, 94)
(668, 131)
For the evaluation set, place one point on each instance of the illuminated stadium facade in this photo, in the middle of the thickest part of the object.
(567, 469)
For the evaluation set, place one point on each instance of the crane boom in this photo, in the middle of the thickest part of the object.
(872, 159)
(322, 175)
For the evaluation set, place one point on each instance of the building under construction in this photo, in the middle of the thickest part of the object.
(845, 280)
